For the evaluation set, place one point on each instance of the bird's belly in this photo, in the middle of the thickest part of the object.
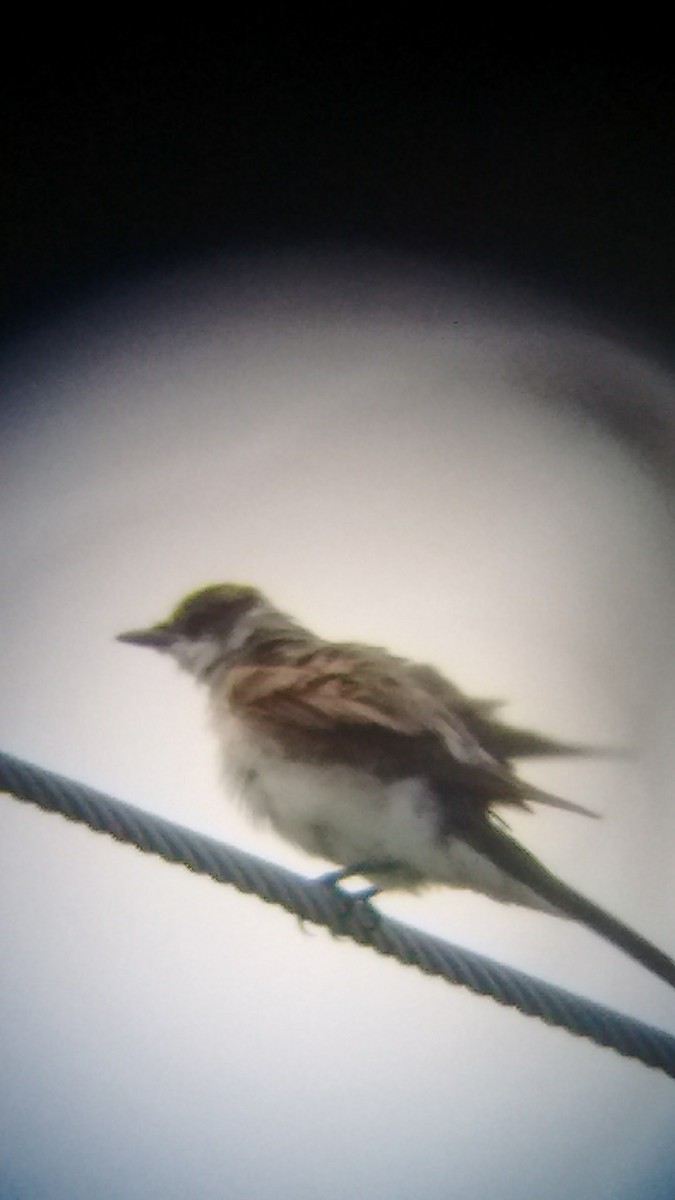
(339, 813)
(335, 812)
(349, 816)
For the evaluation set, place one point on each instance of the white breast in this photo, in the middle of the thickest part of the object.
(347, 816)
(336, 812)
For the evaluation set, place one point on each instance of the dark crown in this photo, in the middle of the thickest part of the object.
(217, 606)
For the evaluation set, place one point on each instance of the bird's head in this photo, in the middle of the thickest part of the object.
(206, 628)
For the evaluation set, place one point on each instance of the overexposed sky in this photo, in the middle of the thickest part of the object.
(394, 456)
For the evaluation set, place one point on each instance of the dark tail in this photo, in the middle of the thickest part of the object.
(505, 741)
(523, 866)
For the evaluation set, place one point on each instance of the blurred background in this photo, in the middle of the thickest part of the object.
(382, 326)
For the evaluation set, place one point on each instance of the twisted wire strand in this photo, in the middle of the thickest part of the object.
(334, 909)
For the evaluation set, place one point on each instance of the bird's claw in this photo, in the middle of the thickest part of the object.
(350, 900)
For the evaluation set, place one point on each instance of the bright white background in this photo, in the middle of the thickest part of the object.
(393, 457)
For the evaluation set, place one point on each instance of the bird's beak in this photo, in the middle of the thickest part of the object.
(158, 636)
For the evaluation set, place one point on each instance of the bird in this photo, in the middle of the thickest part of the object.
(371, 761)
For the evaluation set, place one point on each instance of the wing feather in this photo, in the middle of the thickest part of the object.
(342, 705)
(321, 698)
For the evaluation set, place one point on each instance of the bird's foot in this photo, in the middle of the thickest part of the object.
(364, 895)
(366, 868)
(359, 898)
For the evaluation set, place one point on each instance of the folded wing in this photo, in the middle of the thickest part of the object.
(389, 716)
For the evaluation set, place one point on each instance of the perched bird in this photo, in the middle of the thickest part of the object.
(371, 761)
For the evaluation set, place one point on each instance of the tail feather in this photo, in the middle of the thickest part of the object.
(506, 741)
(536, 796)
(509, 856)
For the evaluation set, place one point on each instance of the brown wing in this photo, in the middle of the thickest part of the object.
(371, 712)
(362, 707)
(322, 693)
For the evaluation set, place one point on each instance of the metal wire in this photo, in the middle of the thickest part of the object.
(334, 909)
